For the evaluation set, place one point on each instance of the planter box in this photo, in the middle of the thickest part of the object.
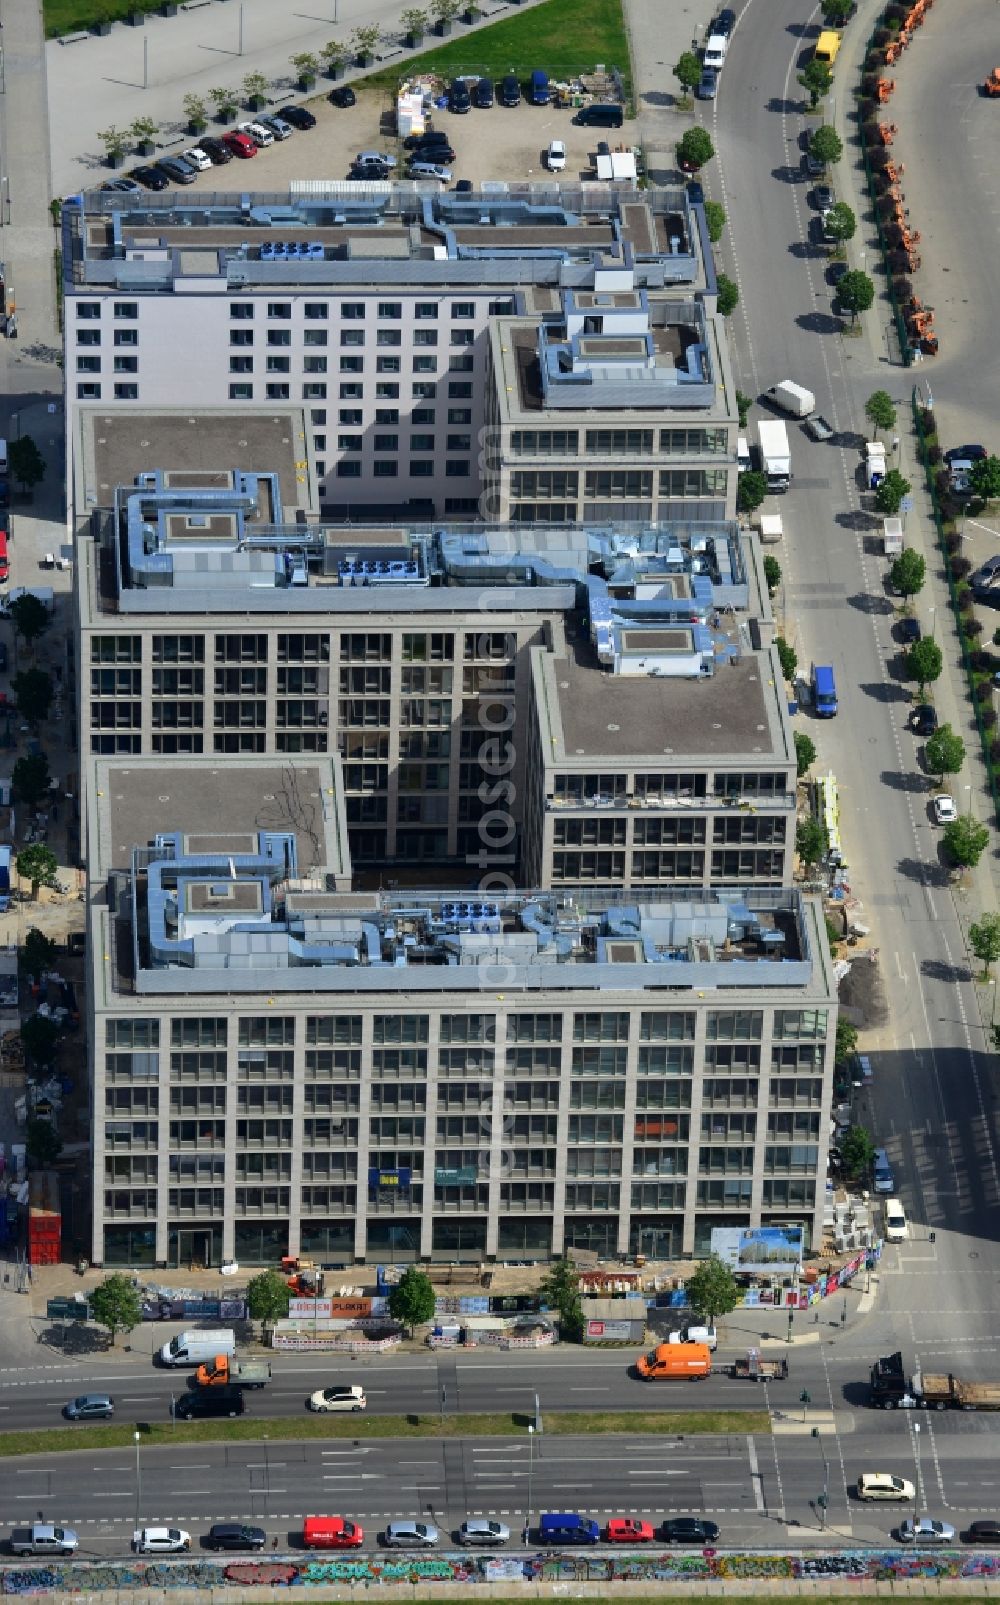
(442, 29)
(225, 116)
(102, 28)
(306, 83)
(470, 15)
(364, 58)
(116, 161)
(168, 8)
(145, 147)
(414, 41)
(257, 102)
(135, 19)
(335, 70)
(196, 129)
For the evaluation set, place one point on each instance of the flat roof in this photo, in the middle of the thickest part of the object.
(595, 714)
(218, 807)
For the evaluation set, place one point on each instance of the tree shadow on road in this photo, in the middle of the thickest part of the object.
(819, 323)
(950, 974)
(856, 519)
(880, 692)
(925, 875)
(862, 602)
(787, 175)
(897, 781)
(787, 108)
(657, 97)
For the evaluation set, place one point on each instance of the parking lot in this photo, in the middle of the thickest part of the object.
(501, 143)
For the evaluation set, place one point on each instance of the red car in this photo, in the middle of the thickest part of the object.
(239, 144)
(331, 1532)
(629, 1530)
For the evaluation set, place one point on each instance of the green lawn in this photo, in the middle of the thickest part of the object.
(680, 1422)
(566, 37)
(73, 16)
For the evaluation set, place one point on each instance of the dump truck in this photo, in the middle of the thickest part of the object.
(892, 1389)
(224, 1371)
(676, 1362)
(775, 457)
(754, 1368)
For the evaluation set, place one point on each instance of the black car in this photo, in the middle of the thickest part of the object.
(822, 198)
(908, 631)
(923, 719)
(214, 1401)
(296, 115)
(430, 148)
(217, 153)
(484, 94)
(724, 23)
(510, 90)
(965, 454)
(150, 177)
(235, 1535)
(835, 272)
(982, 1532)
(430, 136)
(344, 96)
(459, 99)
(688, 1530)
(695, 192)
(464, 186)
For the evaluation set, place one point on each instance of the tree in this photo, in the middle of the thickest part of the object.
(30, 779)
(560, 1290)
(908, 572)
(856, 292)
(715, 217)
(115, 141)
(144, 130)
(985, 479)
(712, 1290)
(116, 1305)
(694, 149)
(40, 1038)
(29, 616)
(743, 405)
(32, 690)
(412, 1300)
(811, 841)
(26, 462)
(688, 71)
(445, 10)
(890, 492)
(826, 145)
(334, 53)
(43, 1142)
(944, 752)
(751, 488)
(816, 79)
(226, 102)
(365, 40)
(414, 22)
(267, 1297)
(787, 657)
(805, 753)
(37, 864)
(772, 574)
(984, 940)
(966, 841)
(194, 111)
(837, 12)
(728, 295)
(880, 412)
(306, 65)
(845, 1040)
(38, 952)
(858, 1152)
(924, 662)
(255, 86)
(840, 222)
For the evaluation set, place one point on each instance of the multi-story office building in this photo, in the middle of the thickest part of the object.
(559, 706)
(534, 353)
(281, 1065)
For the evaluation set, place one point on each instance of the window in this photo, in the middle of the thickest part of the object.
(350, 415)
(423, 390)
(89, 365)
(389, 337)
(459, 443)
(425, 337)
(352, 309)
(352, 337)
(425, 364)
(456, 470)
(421, 468)
(425, 309)
(460, 365)
(386, 391)
(462, 337)
(313, 364)
(125, 392)
(126, 337)
(349, 470)
(463, 309)
(237, 364)
(278, 364)
(386, 442)
(390, 309)
(421, 442)
(386, 468)
(352, 364)
(88, 337)
(88, 392)
(240, 310)
(126, 309)
(501, 308)
(459, 390)
(241, 337)
(349, 442)
(122, 364)
(279, 309)
(387, 365)
(88, 309)
(317, 416)
(279, 337)
(386, 415)
(314, 391)
(463, 505)
(316, 309)
(422, 415)
(314, 337)
(620, 442)
(319, 443)
(456, 415)
(277, 392)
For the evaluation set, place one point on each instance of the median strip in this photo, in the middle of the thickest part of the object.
(565, 1423)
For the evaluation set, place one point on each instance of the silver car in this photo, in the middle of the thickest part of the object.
(410, 1535)
(480, 1531)
(925, 1531)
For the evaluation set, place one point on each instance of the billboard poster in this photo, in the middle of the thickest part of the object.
(760, 1250)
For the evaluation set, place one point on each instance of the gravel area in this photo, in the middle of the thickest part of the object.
(502, 143)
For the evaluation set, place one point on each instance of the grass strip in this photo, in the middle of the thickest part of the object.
(680, 1423)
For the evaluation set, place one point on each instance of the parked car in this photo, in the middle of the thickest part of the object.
(484, 94)
(986, 1531)
(924, 719)
(150, 177)
(432, 150)
(343, 96)
(410, 1535)
(689, 1530)
(298, 116)
(695, 192)
(464, 186)
(925, 1532)
(240, 145)
(459, 99)
(480, 1531)
(724, 23)
(90, 1407)
(968, 454)
(985, 582)
(177, 169)
(422, 169)
(708, 84)
(555, 156)
(277, 126)
(217, 153)
(235, 1535)
(945, 809)
(198, 159)
(380, 157)
(835, 272)
(629, 1530)
(822, 198)
(510, 90)
(908, 631)
(258, 132)
(160, 1540)
(120, 186)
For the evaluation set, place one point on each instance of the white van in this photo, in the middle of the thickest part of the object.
(715, 51)
(696, 1334)
(896, 1229)
(196, 1348)
(743, 461)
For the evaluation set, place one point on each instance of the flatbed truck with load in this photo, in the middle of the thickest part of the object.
(752, 1367)
(892, 1389)
(223, 1371)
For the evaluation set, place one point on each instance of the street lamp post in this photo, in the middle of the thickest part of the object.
(531, 1467)
(138, 1481)
(920, 1479)
(267, 1481)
